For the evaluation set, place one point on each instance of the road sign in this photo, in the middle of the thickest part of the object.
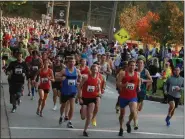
(121, 36)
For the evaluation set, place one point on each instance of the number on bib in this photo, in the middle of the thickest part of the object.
(174, 88)
(35, 67)
(90, 88)
(44, 80)
(71, 82)
(18, 71)
(130, 86)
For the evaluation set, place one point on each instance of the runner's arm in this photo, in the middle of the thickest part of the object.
(51, 78)
(84, 79)
(139, 81)
(109, 71)
(119, 80)
(149, 78)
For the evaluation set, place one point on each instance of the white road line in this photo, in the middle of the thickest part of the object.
(95, 130)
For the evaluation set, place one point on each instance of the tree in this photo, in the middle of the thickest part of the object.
(144, 26)
(170, 27)
(128, 19)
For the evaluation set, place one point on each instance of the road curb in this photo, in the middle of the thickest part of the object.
(5, 131)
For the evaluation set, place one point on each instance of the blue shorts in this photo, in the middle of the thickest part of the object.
(124, 102)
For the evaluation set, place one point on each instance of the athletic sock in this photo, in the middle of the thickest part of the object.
(32, 91)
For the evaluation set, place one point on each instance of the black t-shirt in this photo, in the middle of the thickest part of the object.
(19, 71)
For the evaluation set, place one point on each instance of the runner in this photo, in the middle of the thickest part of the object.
(175, 85)
(56, 86)
(87, 96)
(98, 99)
(11, 59)
(125, 65)
(70, 76)
(145, 78)
(35, 66)
(28, 61)
(6, 53)
(46, 75)
(17, 70)
(105, 68)
(128, 83)
(84, 69)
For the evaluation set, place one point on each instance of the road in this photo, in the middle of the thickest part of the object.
(26, 124)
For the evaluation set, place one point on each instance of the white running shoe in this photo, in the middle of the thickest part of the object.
(55, 108)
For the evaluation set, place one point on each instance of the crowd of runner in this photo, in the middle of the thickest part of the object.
(75, 69)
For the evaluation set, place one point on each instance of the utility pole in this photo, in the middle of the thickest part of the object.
(89, 14)
(112, 22)
(88, 20)
(1, 46)
(67, 14)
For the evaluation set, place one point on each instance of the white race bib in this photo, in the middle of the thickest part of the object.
(35, 67)
(18, 71)
(90, 88)
(130, 86)
(44, 80)
(71, 82)
(174, 88)
(6, 54)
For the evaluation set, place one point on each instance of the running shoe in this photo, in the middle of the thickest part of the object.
(37, 112)
(55, 108)
(13, 110)
(85, 134)
(128, 128)
(136, 127)
(41, 114)
(32, 98)
(94, 122)
(60, 120)
(29, 93)
(120, 132)
(69, 125)
(167, 121)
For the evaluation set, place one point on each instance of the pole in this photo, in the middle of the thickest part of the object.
(89, 14)
(67, 15)
(1, 46)
(113, 18)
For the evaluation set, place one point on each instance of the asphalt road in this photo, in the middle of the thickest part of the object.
(26, 124)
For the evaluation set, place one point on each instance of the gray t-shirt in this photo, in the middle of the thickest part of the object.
(172, 82)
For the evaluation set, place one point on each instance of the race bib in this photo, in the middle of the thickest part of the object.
(44, 80)
(35, 68)
(6, 54)
(174, 88)
(130, 86)
(90, 88)
(71, 82)
(18, 71)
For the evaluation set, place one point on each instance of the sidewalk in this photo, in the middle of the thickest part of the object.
(5, 131)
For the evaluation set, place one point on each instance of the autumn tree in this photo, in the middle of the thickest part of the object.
(144, 26)
(170, 27)
(128, 19)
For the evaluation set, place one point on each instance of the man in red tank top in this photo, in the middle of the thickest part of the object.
(88, 93)
(128, 83)
(98, 99)
(84, 69)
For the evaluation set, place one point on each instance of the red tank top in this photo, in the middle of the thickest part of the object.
(44, 81)
(90, 88)
(129, 91)
(84, 70)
